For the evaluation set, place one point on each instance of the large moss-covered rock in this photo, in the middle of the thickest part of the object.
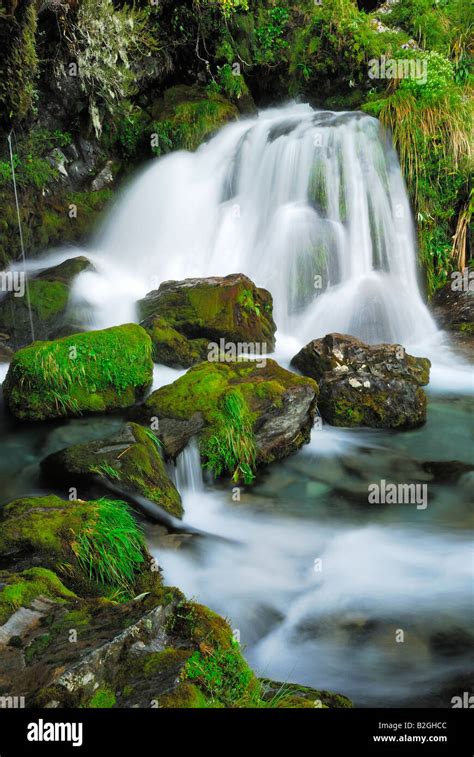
(366, 385)
(86, 622)
(95, 547)
(47, 296)
(91, 372)
(159, 650)
(245, 413)
(131, 457)
(182, 317)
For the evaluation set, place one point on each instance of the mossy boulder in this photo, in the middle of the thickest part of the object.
(47, 295)
(184, 317)
(245, 413)
(68, 640)
(131, 457)
(91, 372)
(95, 547)
(366, 385)
(159, 650)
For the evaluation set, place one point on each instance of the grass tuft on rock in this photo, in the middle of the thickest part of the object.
(110, 549)
(232, 447)
(88, 372)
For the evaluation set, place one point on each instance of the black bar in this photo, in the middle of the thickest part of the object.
(447, 732)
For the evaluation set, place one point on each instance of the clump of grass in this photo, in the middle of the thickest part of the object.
(153, 438)
(222, 674)
(104, 469)
(230, 446)
(110, 549)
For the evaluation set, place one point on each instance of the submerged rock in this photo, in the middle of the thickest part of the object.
(47, 296)
(91, 372)
(131, 457)
(183, 317)
(366, 385)
(245, 414)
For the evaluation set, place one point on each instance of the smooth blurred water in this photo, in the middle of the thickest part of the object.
(385, 568)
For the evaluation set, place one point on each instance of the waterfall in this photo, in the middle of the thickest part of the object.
(309, 204)
(187, 474)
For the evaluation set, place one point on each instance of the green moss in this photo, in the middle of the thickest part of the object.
(204, 385)
(223, 675)
(185, 696)
(96, 546)
(465, 328)
(37, 647)
(47, 297)
(162, 661)
(231, 397)
(22, 588)
(88, 372)
(234, 310)
(186, 116)
(172, 348)
(20, 66)
(103, 698)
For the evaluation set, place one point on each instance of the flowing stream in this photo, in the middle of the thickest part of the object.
(317, 582)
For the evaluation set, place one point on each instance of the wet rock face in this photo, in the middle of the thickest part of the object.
(366, 385)
(182, 317)
(48, 294)
(453, 309)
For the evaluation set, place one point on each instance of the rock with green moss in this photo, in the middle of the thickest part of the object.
(96, 547)
(46, 297)
(20, 590)
(92, 372)
(246, 414)
(132, 458)
(80, 572)
(291, 695)
(184, 116)
(366, 385)
(57, 218)
(159, 650)
(186, 319)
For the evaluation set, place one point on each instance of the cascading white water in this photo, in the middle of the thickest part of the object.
(309, 204)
